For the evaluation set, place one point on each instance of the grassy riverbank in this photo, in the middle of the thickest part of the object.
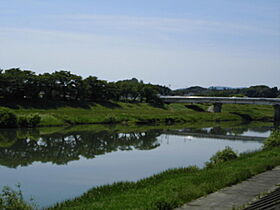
(175, 187)
(141, 113)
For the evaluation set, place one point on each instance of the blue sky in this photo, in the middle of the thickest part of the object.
(177, 43)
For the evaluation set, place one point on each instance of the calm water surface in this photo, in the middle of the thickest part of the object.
(55, 166)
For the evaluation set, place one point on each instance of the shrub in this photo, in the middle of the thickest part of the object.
(222, 156)
(156, 102)
(13, 199)
(7, 138)
(110, 119)
(29, 121)
(273, 140)
(7, 118)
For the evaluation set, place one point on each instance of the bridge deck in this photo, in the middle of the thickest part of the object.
(221, 100)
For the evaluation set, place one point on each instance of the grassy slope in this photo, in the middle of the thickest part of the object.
(174, 187)
(144, 113)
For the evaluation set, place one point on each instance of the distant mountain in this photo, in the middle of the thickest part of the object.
(190, 91)
(225, 91)
(223, 88)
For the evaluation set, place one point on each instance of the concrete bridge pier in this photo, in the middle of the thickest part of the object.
(277, 113)
(217, 107)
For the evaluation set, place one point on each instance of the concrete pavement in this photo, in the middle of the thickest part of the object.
(239, 195)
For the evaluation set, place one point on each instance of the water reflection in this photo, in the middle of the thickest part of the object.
(23, 147)
(60, 163)
(236, 131)
(240, 134)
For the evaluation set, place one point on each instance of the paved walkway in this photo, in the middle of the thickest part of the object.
(238, 195)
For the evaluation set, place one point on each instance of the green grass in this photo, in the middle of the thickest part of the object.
(47, 119)
(142, 113)
(174, 187)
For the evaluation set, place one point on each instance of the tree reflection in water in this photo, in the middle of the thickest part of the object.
(23, 147)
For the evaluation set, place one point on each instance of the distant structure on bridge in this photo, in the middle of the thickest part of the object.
(218, 101)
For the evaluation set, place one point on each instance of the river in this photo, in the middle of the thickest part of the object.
(55, 164)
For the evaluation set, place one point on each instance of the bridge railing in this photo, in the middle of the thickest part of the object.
(222, 100)
(218, 101)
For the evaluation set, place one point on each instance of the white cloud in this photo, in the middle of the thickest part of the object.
(114, 58)
(166, 24)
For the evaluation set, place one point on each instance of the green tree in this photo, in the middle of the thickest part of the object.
(20, 84)
(67, 86)
(130, 90)
(261, 91)
(97, 90)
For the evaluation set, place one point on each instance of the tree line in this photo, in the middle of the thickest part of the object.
(259, 91)
(17, 84)
(65, 86)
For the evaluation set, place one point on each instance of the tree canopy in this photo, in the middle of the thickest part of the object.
(65, 86)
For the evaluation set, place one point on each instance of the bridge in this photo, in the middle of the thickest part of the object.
(217, 136)
(218, 101)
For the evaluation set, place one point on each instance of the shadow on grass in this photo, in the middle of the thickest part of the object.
(195, 108)
(44, 104)
(109, 104)
(245, 117)
(53, 104)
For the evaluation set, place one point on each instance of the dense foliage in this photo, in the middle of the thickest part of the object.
(7, 118)
(222, 156)
(29, 121)
(273, 140)
(11, 199)
(17, 84)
